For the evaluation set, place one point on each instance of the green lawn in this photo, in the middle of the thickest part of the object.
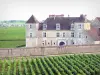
(11, 44)
(12, 33)
(12, 37)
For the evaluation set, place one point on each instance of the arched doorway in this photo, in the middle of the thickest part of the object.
(61, 44)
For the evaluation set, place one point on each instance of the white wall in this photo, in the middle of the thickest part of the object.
(31, 41)
(81, 40)
(52, 40)
(31, 30)
(52, 33)
(51, 37)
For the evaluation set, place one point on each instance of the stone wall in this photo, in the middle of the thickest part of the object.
(42, 51)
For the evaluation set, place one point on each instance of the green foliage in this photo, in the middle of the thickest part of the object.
(53, 65)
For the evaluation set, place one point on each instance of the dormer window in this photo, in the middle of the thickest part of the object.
(44, 26)
(57, 26)
(72, 26)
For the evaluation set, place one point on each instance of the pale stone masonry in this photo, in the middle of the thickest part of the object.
(47, 51)
(58, 30)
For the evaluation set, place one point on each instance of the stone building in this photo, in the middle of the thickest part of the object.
(58, 30)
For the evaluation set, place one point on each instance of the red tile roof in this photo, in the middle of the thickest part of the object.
(94, 34)
(98, 18)
(32, 19)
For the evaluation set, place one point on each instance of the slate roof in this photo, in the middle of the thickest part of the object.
(32, 19)
(65, 22)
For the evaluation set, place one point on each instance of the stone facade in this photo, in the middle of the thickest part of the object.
(56, 32)
(81, 36)
(51, 38)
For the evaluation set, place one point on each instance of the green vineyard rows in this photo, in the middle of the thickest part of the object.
(84, 64)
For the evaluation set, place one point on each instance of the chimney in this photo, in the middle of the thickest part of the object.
(83, 17)
(51, 16)
(68, 15)
(62, 15)
(59, 15)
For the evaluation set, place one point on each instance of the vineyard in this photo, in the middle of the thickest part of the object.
(84, 64)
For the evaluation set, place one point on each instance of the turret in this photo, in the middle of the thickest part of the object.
(31, 32)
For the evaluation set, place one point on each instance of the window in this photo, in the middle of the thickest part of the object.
(57, 26)
(72, 34)
(99, 29)
(58, 35)
(30, 34)
(99, 32)
(30, 26)
(72, 42)
(87, 41)
(43, 43)
(79, 26)
(51, 42)
(44, 34)
(80, 35)
(72, 26)
(67, 42)
(63, 34)
(44, 26)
